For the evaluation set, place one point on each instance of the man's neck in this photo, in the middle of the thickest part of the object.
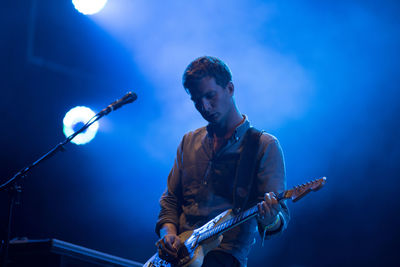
(229, 125)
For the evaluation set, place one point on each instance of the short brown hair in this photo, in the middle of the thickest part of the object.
(206, 66)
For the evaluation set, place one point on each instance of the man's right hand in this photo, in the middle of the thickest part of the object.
(168, 247)
(169, 243)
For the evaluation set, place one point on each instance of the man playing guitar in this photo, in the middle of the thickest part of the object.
(202, 181)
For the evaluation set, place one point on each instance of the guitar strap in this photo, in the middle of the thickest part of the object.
(246, 169)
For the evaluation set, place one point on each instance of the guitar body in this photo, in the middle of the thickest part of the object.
(195, 252)
(201, 250)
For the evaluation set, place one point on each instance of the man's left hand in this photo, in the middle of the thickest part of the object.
(268, 209)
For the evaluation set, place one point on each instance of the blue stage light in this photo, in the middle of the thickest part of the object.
(89, 7)
(80, 116)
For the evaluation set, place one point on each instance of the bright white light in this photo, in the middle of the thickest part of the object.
(80, 115)
(89, 7)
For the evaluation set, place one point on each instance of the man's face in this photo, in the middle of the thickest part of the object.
(212, 101)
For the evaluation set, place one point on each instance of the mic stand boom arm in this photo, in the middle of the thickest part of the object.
(12, 184)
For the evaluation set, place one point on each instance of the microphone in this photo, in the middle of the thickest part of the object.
(126, 99)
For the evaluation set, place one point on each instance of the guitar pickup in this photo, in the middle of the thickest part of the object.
(194, 244)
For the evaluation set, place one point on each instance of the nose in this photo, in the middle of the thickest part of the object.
(205, 105)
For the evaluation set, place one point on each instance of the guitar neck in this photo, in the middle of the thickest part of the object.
(295, 194)
(238, 219)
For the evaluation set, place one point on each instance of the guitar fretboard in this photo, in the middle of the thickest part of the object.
(238, 219)
(295, 194)
(225, 226)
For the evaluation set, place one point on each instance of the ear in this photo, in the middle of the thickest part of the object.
(231, 88)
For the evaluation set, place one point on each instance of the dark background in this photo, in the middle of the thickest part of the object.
(321, 76)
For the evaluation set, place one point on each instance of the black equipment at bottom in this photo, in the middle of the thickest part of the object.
(57, 253)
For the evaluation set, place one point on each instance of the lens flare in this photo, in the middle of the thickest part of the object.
(89, 7)
(80, 115)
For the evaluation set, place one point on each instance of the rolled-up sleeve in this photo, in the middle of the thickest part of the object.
(271, 178)
(170, 201)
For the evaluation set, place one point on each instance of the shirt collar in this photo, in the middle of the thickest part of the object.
(239, 131)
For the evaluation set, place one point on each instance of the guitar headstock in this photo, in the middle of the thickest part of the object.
(300, 191)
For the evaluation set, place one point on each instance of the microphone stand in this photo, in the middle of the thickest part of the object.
(15, 189)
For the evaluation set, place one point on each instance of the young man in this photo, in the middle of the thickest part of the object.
(201, 183)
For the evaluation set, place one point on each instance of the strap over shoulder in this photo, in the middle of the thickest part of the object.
(246, 168)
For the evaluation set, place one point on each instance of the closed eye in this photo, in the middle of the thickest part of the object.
(209, 95)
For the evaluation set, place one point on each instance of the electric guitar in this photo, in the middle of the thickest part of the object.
(197, 243)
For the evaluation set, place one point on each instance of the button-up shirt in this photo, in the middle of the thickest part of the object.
(201, 183)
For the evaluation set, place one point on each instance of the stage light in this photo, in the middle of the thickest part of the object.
(89, 7)
(78, 116)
